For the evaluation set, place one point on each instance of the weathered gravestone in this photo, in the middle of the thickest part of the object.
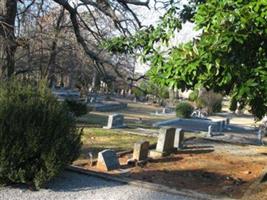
(140, 150)
(210, 128)
(178, 139)
(115, 121)
(165, 142)
(107, 160)
(227, 121)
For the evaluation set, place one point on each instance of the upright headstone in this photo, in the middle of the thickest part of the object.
(140, 150)
(260, 137)
(210, 131)
(107, 160)
(115, 121)
(178, 139)
(221, 126)
(227, 121)
(165, 142)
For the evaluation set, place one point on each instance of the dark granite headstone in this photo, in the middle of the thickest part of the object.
(107, 160)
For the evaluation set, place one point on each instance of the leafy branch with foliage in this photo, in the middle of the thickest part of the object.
(230, 56)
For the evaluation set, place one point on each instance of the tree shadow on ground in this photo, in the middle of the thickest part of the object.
(74, 182)
(198, 180)
(166, 160)
(196, 149)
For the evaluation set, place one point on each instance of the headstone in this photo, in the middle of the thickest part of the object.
(227, 121)
(140, 150)
(223, 124)
(260, 137)
(210, 131)
(165, 142)
(220, 126)
(178, 139)
(107, 160)
(115, 121)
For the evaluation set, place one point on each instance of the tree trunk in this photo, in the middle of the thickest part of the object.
(8, 11)
(53, 54)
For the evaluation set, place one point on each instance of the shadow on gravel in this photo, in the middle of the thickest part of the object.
(75, 182)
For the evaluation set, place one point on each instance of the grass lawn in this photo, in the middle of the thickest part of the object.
(137, 115)
(98, 139)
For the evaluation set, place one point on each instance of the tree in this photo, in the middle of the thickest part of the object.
(230, 56)
(85, 17)
(8, 11)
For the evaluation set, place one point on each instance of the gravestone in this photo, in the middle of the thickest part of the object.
(140, 150)
(260, 135)
(210, 128)
(221, 126)
(115, 121)
(165, 142)
(178, 139)
(107, 160)
(227, 121)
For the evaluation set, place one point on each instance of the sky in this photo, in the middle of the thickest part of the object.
(151, 16)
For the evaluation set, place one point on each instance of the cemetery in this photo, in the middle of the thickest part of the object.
(133, 99)
(224, 164)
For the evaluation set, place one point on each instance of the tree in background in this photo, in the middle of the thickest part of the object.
(49, 36)
(230, 56)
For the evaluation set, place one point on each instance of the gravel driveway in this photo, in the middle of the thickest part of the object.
(72, 186)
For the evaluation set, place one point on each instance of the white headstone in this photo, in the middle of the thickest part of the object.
(178, 139)
(210, 131)
(115, 121)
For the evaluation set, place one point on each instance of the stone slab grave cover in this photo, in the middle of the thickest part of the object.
(140, 150)
(178, 139)
(107, 160)
(115, 121)
(165, 142)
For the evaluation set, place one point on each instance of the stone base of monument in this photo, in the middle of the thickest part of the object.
(114, 127)
(157, 154)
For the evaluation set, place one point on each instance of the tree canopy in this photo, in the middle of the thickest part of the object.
(230, 56)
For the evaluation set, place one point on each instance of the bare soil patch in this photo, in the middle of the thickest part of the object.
(228, 171)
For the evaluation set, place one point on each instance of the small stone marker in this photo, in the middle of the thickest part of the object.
(178, 139)
(165, 142)
(140, 150)
(115, 121)
(210, 131)
(107, 160)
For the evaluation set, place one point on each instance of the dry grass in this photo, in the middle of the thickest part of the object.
(97, 139)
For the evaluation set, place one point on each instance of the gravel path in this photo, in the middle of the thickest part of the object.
(72, 186)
